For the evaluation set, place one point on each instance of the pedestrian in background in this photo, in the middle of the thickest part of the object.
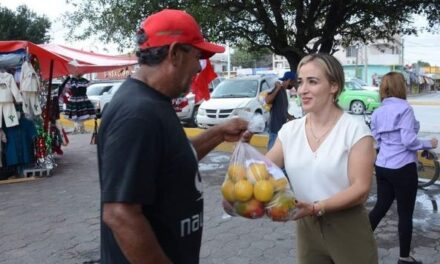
(328, 156)
(151, 189)
(395, 129)
(279, 102)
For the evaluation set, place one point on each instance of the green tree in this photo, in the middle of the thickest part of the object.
(23, 24)
(420, 64)
(245, 57)
(291, 28)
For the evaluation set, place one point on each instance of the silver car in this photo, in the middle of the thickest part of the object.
(107, 96)
(95, 91)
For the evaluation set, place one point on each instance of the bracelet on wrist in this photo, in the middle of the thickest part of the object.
(320, 211)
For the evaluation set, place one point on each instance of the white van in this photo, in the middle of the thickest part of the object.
(234, 96)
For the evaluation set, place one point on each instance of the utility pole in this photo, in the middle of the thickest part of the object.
(357, 62)
(229, 59)
(403, 58)
(366, 63)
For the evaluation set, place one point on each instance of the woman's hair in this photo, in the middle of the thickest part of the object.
(331, 67)
(393, 85)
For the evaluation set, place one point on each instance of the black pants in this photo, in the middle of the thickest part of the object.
(399, 184)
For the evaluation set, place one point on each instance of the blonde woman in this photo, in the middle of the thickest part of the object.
(328, 156)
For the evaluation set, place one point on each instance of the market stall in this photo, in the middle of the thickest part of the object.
(29, 132)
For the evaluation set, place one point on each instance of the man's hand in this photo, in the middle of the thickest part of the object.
(247, 135)
(230, 131)
(233, 129)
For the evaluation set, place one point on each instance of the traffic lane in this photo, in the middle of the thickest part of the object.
(429, 118)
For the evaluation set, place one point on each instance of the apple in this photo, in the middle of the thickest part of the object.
(228, 207)
(251, 209)
(281, 207)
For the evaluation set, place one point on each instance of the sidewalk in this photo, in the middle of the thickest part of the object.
(56, 219)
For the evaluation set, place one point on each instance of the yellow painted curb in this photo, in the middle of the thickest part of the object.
(258, 141)
(88, 125)
(18, 180)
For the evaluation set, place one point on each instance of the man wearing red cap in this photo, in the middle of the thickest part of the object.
(151, 190)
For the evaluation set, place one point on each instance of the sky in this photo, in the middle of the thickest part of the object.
(424, 47)
(53, 9)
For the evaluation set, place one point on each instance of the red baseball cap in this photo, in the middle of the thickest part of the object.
(168, 26)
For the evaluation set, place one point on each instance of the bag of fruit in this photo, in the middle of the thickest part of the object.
(254, 187)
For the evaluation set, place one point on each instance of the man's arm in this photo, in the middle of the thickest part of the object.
(229, 131)
(133, 233)
(271, 96)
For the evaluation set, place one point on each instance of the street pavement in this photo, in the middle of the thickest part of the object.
(56, 219)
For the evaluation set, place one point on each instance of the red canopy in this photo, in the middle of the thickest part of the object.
(67, 60)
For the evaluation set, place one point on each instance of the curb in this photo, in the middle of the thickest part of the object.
(258, 141)
(18, 180)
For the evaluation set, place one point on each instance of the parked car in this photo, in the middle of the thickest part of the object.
(357, 100)
(214, 83)
(364, 84)
(235, 97)
(186, 106)
(186, 109)
(95, 91)
(106, 97)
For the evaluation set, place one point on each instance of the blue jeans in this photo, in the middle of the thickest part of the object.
(272, 138)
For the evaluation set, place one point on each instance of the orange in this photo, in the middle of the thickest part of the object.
(243, 190)
(263, 191)
(227, 190)
(236, 172)
(258, 171)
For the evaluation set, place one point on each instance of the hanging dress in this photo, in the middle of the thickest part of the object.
(78, 107)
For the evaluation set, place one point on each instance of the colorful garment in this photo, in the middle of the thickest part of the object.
(79, 107)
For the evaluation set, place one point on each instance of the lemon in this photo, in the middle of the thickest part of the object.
(257, 172)
(227, 190)
(236, 172)
(263, 191)
(243, 190)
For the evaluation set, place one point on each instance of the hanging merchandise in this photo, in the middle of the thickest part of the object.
(78, 107)
(2, 140)
(29, 86)
(19, 146)
(9, 92)
(43, 147)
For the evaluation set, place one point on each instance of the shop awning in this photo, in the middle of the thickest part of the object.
(67, 60)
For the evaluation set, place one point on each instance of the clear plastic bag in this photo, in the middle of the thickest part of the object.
(255, 187)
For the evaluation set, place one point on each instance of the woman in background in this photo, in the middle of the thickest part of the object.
(395, 129)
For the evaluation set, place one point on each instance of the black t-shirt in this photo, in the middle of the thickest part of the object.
(278, 112)
(144, 157)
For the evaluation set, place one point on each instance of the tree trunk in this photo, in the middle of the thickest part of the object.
(293, 60)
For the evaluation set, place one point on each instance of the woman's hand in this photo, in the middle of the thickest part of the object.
(434, 142)
(303, 210)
